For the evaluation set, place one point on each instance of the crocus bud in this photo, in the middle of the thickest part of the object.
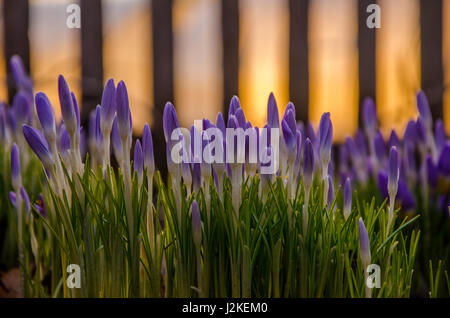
(170, 121)
(196, 223)
(16, 178)
(380, 149)
(325, 138)
(138, 160)
(220, 123)
(98, 132)
(330, 196)
(289, 129)
(364, 244)
(369, 116)
(17, 69)
(108, 106)
(234, 105)
(444, 161)
(76, 110)
(21, 108)
(239, 114)
(67, 109)
(40, 206)
(410, 135)
(394, 172)
(308, 163)
(424, 109)
(38, 145)
(147, 149)
(46, 117)
(64, 139)
(347, 198)
(123, 112)
(272, 112)
(394, 141)
(116, 142)
(290, 107)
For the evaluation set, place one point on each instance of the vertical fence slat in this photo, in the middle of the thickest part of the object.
(16, 21)
(432, 72)
(230, 40)
(162, 73)
(298, 57)
(367, 58)
(91, 56)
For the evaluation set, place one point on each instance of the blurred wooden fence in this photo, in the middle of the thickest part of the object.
(16, 17)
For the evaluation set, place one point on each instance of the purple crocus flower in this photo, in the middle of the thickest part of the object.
(394, 141)
(364, 243)
(38, 145)
(369, 116)
(76, 110)
(108, 106)
(347, 198)
(421, 131)
(16, 178)
(220, 123)
(410, 135)
(308, 163)
(273, 120)
(330, 196)
(405, 197)
(40, 206)
(325, 138)
(289, 129)
(147, 149)
(124, 124)
(290, 107)
(46, 116)
(67, 108)
(239, 114)
(444, 161)
(138, 160)
(64, 139)
(170, 121)
(20, 77)
(116, 142)
(98, 130)
(234, 105)
(394, 172)
(424, 110)
(21, 109)
(360, 142)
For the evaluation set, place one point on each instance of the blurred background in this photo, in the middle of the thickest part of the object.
(320, 54)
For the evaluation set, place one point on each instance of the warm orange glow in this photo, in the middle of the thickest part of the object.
(398, 63)
(197, 59)
(446, 61)
(54, 49)
(333, 62)
(127, 55)
(264, 56)
(3, 87)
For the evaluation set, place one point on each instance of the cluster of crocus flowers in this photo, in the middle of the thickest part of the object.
(208, 163)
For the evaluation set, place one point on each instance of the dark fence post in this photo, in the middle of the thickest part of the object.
(230, 40)
(431, 54)
(366, 47)
(91, 57)
(162, 74)
(16, 20)
(298, 57)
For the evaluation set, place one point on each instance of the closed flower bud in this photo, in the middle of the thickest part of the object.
(308, 163)
(108, 106)
(394, 172)
(46, 116)
(444, 161)
(325, 138)
(364, 244)
(147, 149)
(116, 142)
(67, 108)
(272, 112)
(138, 160)
(369, 116)
(424, 109)
(234, 106)
(38, 145)
(170, 121)
(124, 123)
